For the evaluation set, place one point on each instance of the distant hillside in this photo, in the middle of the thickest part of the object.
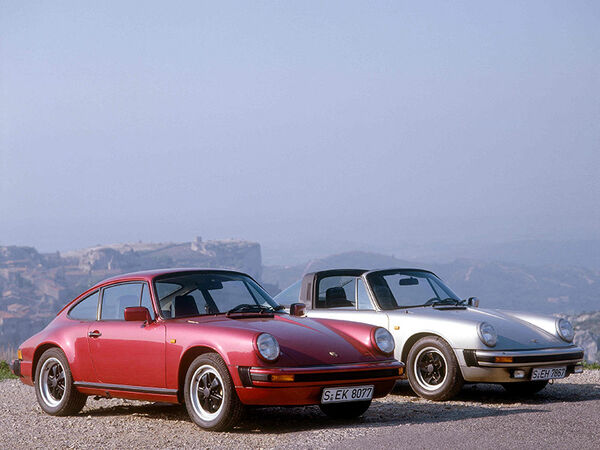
(548, 289)
(587, 334)
(34, 286)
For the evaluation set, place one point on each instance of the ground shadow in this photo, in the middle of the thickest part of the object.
(282, 420)
(401, 407)
(493, 394)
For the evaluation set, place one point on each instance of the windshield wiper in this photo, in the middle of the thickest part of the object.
(250, 308)
(446, 301)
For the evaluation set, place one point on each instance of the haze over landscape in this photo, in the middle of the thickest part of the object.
(312, 128)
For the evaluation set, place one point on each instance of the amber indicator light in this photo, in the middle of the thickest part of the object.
(503, 359)
(282, 377)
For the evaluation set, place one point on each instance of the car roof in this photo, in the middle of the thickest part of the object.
(359, 272)
(154, 273)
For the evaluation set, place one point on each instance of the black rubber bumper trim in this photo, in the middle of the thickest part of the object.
(335, 376)
(537, 358)
(15, 367)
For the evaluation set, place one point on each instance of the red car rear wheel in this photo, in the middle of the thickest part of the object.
(54, 387)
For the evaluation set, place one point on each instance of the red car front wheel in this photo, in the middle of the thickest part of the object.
(210, 396)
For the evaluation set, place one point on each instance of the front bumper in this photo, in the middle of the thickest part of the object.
(303, 385)
(15, 367)
(497, 366)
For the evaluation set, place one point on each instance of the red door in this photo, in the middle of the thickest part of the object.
(126, 353)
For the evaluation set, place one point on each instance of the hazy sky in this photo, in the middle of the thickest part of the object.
(288, 122)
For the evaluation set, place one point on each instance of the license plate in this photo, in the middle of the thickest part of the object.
(548, 373)
(346, 394)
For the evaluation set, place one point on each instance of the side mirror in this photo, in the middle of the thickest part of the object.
(137, 314)
(298, 309)
(473, 301)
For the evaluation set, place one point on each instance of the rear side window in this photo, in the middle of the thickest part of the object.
(116, 298)
(86, 309)
(336, 291)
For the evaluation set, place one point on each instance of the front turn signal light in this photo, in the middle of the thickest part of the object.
(503, 359)
(19, 355)
(401, 371)
(282, 378)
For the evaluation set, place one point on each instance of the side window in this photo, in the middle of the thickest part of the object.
(146, 300)
(116, 298)
(289, 295)
(362, 296)
(86, 309)
(336, 292)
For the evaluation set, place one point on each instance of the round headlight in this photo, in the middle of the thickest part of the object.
(565, 330)
(267, 347)
(384, 341)
(487, 334)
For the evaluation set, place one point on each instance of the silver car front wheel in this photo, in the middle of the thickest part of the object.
(432, 369)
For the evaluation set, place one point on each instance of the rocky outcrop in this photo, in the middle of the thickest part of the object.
(34, 286)
(587, 334)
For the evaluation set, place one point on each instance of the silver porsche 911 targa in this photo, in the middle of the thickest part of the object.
(443, 340)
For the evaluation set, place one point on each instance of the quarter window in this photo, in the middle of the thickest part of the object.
(146, 300)
(116, 298)
(362, 296)
(86, 309)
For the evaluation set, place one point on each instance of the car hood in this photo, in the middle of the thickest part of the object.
(302, 340)
(460, 324)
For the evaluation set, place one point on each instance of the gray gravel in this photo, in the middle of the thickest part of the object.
(564, 415)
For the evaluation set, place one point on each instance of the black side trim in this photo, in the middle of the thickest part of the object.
(537, 358)
(245, 376)
(470, 358)
(123, 387)
(341, 376)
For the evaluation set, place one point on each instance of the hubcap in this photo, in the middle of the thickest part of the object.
(207, 393)
(52, 382)
(430, 368)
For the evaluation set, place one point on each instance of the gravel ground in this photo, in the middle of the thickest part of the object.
(564, 415)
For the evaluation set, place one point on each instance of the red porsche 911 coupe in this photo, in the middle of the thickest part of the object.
(212, 339)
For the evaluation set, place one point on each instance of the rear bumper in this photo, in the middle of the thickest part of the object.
(15, 367)
(499, 366)
(259, 388)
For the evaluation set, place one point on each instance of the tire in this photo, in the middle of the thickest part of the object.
(54, 387)
(432, 369)
(525, 388)
(209, 394)
(348, 410)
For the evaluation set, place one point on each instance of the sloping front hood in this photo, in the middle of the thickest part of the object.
(460, 327)
(302, 341)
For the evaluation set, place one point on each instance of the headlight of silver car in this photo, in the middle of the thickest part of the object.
(487, 334)
(565, 330)
(267, 346)
(384, 340)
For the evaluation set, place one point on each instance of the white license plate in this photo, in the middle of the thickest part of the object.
(548, 373)
(346, 394)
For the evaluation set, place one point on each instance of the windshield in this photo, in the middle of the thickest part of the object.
(410, 288)
(197, 294)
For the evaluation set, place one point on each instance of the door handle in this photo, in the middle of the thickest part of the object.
(94, 334)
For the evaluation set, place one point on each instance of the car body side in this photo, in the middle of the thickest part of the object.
(158, 361)
(523, 333)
